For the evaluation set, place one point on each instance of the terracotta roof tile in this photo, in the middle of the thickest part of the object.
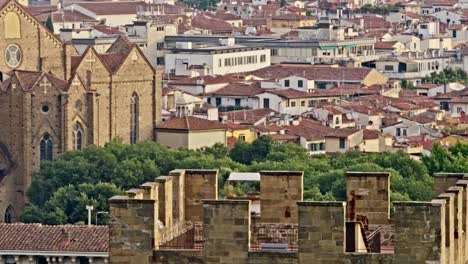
(312, 72)
(385, 44)
(239, 89)
(370, 134)
(283, 137)
(61, 238)
(29, 80)
(190, 123)
(113, 7)
(216, 26)
(65, 16)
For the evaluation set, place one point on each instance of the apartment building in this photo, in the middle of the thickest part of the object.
(226, 58)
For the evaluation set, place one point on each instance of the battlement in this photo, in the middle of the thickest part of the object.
(179, 219)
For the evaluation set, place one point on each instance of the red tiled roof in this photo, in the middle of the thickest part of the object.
(283, 137)
(385, 44)
(312, 72)
(239, 89)
(269, 128)
(190, 123)
(60, 238)
(113, 61)
(343, 132)
(39, 9)
(305, 132)
(370, 134)
(65, 16)
(113, 8)
(28, 80)
(289, 93)
(216, 26)
(108, 30)
(223, 16)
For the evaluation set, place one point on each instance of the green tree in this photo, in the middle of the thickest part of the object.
(68, 203)
(49, 24)
(62, 188)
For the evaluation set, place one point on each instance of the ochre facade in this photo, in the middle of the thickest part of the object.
(53, 99)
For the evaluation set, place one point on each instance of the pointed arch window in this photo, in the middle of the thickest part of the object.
(77, 136)
(134, 116)
(46, 147)
(10, 216)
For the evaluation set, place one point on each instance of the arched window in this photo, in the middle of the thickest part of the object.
(77, 136)
(134, 116)
(9, 216)
(46, 147)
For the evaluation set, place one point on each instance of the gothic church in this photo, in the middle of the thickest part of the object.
(53, 99)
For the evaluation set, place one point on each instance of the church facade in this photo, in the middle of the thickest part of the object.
(53, 99)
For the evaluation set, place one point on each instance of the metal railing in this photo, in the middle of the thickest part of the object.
(274, 237)
(189, 237)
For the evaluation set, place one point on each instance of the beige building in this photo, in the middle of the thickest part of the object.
(53, 100)
(190, 132)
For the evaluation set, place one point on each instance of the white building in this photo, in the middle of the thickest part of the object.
(217, 60)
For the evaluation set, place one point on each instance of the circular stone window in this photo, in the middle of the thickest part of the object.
(13, 56)
(45, 109)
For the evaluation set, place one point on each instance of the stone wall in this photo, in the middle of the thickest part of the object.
(368, 194)
(178, 196)
(199, 185)
(424, 232)
(165, 197)
(226, 226)
(420, 232)
(279, 192)
(132, 230)
(321, 232)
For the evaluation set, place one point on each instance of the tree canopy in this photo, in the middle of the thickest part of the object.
(447, 76)
(62, 188)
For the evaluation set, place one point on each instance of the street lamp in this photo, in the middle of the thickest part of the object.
(98, 213)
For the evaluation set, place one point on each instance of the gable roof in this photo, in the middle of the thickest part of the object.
(60, 238)
(239, 89)
(28, 80)
(190, 123)
(113, 7)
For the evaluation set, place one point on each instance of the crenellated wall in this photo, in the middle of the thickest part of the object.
(424, 232)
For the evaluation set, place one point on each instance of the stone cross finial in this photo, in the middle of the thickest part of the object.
(45, 84)
(90, 60)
